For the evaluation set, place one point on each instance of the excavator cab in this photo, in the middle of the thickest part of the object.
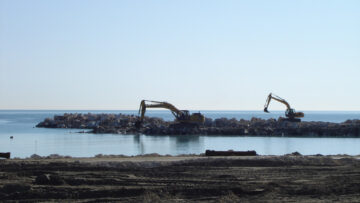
(183, 116)
(290, 113)
(198, 118)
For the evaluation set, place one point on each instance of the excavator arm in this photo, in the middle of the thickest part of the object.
(156, 104)
(290, 113)
(182, 116)
(277, 98)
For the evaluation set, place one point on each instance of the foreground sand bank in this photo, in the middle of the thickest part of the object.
(191, 178)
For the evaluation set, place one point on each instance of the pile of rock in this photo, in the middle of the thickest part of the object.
(102, 123)
(125, 124)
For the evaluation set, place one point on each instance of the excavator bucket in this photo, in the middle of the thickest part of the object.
(138, 124)
(265, 110)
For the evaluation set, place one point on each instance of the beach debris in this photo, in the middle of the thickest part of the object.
(35, 156)
(294, 154)
(230, 153)
(5, 155)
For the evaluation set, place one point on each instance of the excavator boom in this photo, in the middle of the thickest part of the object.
(290, 113)
(181, 116)
(277, 98)
(156, 104)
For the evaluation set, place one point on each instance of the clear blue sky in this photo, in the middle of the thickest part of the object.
(225, 55)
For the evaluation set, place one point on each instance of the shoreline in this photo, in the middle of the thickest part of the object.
(155, 156)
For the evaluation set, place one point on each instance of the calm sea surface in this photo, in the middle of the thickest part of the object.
(29, 140)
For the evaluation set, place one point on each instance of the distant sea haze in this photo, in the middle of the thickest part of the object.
(29, 140)
(326, 116)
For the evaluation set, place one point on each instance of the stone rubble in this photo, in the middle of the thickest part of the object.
(125, 124)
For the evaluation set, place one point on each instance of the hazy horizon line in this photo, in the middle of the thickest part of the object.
(158, 110)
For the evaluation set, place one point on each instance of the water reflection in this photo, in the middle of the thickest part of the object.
(267, 147)
(139, 144)
(186, 140)
(167, 144)
(183, 142)
(85, 145)
(288, 145)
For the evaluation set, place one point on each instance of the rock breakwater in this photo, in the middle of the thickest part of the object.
(125, 124)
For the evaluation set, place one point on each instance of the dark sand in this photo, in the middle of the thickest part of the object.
(194, 178)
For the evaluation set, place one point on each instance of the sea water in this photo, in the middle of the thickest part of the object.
(28, 140)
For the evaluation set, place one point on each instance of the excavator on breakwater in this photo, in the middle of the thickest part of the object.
(290, 113)
(182, 117)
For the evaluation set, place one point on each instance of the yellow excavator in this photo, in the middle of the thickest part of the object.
(181, 116)
(290, 113)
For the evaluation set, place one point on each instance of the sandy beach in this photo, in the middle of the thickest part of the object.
(190, 178)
